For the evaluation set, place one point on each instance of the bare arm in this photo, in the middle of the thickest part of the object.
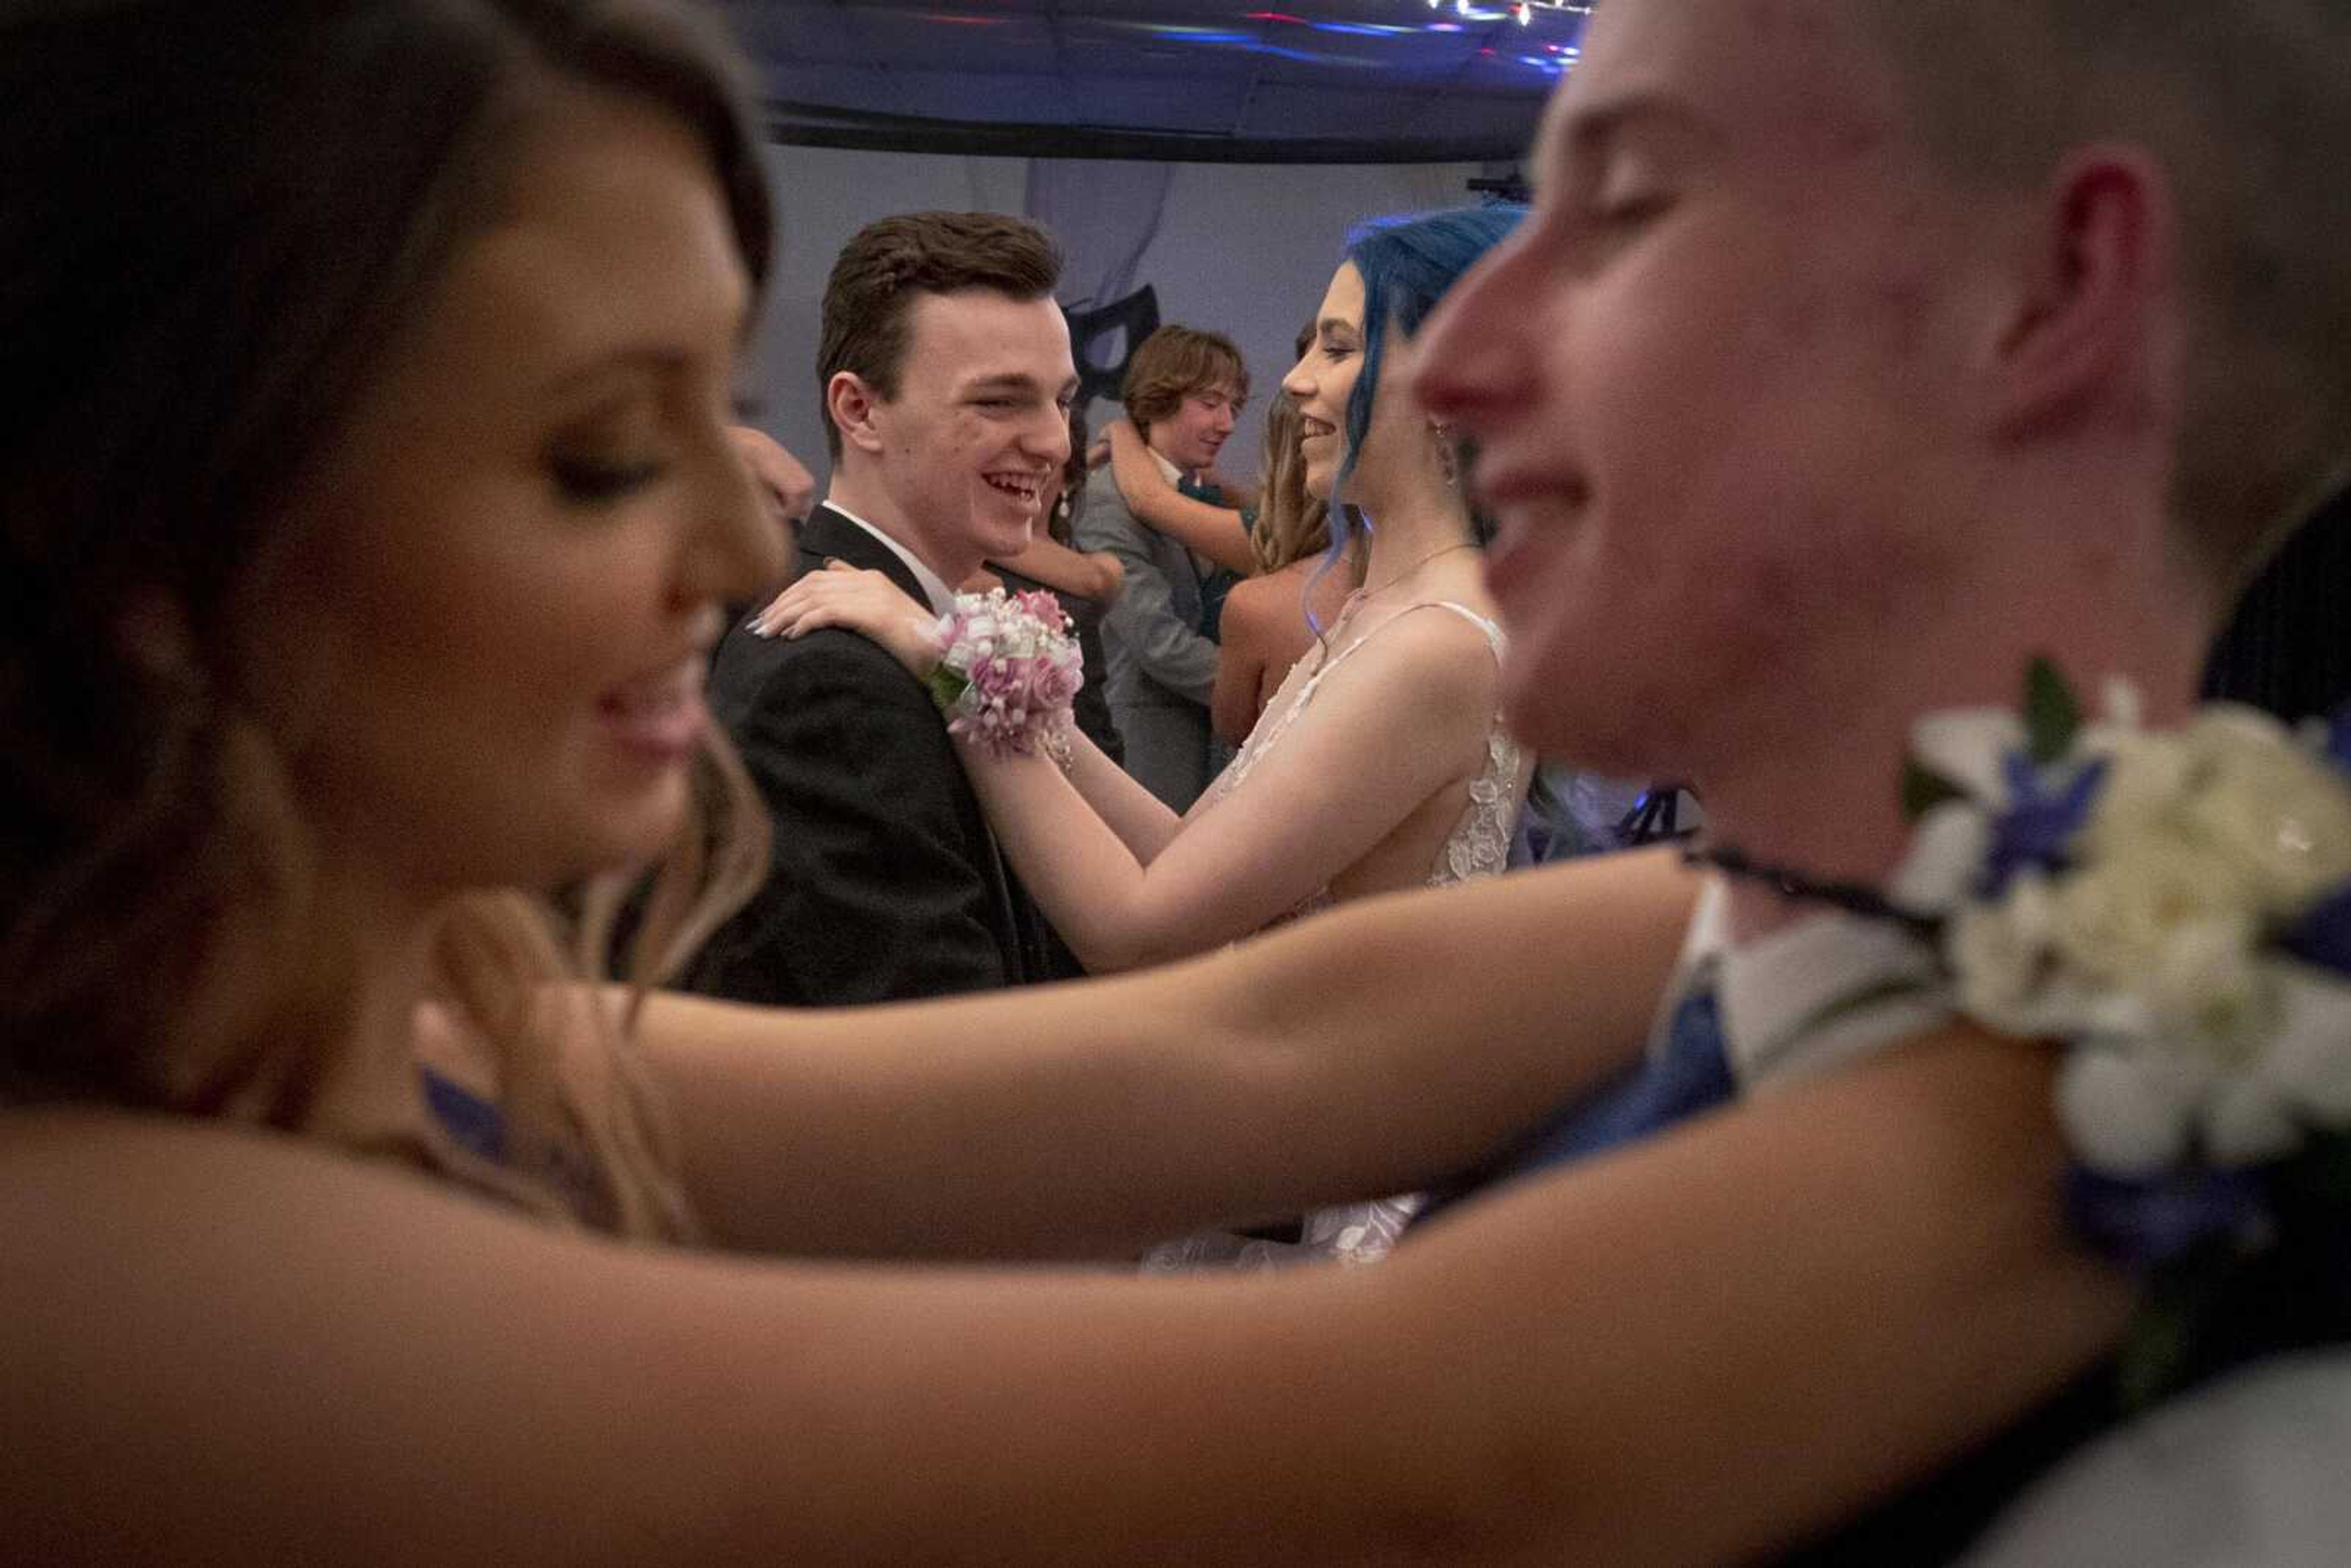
(1140, 819)
(875, 607)
(1215, 532)
(1242, 493)
(1534, 1383)
(1761, 1298)
(1418, 699)
(1120, 884)
(1322, 1061)
(789, 489)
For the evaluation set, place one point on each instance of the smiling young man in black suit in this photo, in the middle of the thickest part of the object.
(946, 377)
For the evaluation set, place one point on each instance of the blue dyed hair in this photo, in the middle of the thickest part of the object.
(1407, 264)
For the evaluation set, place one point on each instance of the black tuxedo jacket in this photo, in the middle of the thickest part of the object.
(885, 882)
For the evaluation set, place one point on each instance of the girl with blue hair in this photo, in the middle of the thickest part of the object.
(1380, 764)
(1396, 270)
(1143, 885)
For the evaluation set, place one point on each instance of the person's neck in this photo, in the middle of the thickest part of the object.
(1813, 786)
(365, 1085)
(395, 975)
(1166, 460)
(1408, 533)
(862, 496)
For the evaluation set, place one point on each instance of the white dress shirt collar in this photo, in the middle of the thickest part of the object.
(935, 588)
(1812, 995)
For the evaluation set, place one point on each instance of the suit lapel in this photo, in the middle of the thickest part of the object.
(828, 536)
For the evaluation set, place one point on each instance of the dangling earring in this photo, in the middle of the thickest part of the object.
(1448, 462)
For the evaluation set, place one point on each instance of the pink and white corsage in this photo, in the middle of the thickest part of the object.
(1009, 672)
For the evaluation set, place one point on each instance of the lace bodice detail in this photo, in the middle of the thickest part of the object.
(1479, 843)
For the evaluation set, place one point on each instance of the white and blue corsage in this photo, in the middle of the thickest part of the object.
(2174, 907)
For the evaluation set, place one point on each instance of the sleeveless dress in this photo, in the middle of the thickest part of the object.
(1479, 843)
(1477, 846)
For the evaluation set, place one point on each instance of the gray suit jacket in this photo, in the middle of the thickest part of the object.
(1161, 668)
(1151, 633)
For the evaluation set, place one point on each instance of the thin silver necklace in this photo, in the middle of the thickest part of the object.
(1367, 591)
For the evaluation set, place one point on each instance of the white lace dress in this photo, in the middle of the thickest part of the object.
(1478, 845)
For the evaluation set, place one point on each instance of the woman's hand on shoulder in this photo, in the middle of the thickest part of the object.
(866, 603)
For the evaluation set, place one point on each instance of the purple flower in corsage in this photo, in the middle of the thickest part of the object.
(2035, 831)
(2174, 907)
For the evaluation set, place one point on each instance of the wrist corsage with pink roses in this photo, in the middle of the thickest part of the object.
(1009, 673)
(2174, 908)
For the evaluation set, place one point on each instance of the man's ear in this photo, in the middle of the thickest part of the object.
(2094, 267)
(853, 406)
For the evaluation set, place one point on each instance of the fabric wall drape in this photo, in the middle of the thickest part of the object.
(1106, 214)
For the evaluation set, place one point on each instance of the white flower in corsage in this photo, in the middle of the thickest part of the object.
(2160, 900)
(1008, 672)
(2176, 908)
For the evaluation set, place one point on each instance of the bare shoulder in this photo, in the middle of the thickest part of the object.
(1260, 608)
(274, 1325)
(111, 1164)
(1253, 596)
(1431, 660)
(146, 1199)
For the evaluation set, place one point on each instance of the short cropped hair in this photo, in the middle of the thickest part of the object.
(2244, 103)
(888, 263)
(1174, 363)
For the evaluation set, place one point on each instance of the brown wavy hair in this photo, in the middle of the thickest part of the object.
(214, 218)
(1171, 365)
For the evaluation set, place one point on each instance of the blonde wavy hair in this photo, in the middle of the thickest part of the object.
(205, 274)
(1290, 523)
(1171, 365)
